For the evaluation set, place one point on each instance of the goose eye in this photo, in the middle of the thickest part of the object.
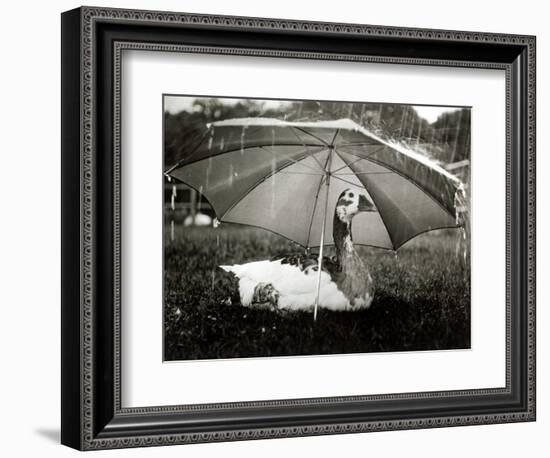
(350, 195)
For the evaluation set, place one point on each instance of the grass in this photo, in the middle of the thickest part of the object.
(422, 300)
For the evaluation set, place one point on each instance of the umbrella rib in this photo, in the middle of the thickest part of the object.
(269, 230)
(335, 135)
(362, 173)
(362, 186)
(359, 144)
(321, 181)
(313, 155)
(294, 160)
(402, 175)
(310, 134)
(374, 200)
(396, 247)
(177, 164)
(242, 224)
(315, 246)
(316, 200)
(357, 160)
(331, 244)
(344, 166)
(410, 181)
(180, 163)
(301, 173)
(423, 232)
(255, 185)
(317, 160)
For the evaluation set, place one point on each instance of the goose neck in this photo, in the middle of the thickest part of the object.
(341, 234)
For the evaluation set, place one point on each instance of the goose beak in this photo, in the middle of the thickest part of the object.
(365, 204)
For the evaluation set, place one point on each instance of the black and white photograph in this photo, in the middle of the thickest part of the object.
(275, 229)
(311, 227)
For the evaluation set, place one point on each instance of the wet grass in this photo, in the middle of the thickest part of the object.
(422, 301)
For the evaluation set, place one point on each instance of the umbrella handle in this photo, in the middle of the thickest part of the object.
(321, 245)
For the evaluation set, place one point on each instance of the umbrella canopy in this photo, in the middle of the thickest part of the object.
(283, 176)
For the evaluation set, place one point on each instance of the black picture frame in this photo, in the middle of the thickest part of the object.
(92, 416)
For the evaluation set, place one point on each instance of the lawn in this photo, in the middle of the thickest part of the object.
(422, 300)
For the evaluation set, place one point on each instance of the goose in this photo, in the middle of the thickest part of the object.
(289, 282)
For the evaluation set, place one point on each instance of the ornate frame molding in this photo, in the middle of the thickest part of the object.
(89, 434)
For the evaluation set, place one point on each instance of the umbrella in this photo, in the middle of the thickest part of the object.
(283, 176)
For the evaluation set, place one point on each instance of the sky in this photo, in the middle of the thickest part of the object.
(431, 113)
(175, 104)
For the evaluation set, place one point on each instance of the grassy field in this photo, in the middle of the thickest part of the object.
(422, 300)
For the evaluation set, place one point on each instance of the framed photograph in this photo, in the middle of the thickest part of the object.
(278, 228)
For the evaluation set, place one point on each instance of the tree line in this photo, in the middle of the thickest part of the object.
(446, 140)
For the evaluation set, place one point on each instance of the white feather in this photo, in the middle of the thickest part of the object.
(297, 289)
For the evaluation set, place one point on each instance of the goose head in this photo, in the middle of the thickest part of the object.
(350, 203)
